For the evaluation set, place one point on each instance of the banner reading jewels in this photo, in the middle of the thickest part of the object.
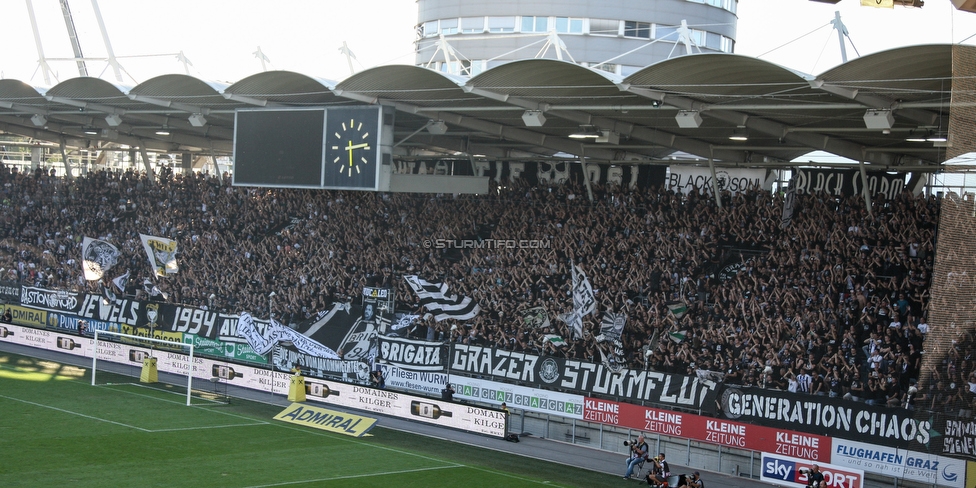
(588, 378)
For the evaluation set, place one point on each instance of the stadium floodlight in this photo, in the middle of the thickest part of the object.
(437, 127)
(878, 119)
(197, 120)
(688, 119)
(533, 118)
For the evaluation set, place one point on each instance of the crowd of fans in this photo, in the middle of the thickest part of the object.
(832, 304)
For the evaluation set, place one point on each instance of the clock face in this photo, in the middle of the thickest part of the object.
(351, 147)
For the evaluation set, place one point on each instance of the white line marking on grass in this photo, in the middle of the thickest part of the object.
(259, 422)
(75, 413)
(176, 429)
(358, 441)
(354, 476)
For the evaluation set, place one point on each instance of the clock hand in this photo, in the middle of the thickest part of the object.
(357, 146)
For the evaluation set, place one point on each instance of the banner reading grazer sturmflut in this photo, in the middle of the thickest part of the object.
(588, 378)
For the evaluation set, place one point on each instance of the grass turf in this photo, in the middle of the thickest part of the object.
(57, 429)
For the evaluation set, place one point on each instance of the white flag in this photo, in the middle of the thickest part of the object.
(97, 257)
(583, 299)
(162, 254)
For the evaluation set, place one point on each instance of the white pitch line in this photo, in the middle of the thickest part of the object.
(202, 407)
(354, 476)
(176, 429)
(74, 413)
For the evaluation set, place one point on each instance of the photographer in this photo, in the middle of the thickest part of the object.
(660, 473)
(638, 454)
(815, 479)
(693, 481)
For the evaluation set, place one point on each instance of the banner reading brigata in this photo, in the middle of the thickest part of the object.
(707, 429)
(583, 377)
(413, 355)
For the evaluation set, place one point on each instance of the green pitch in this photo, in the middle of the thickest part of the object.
(58, 430)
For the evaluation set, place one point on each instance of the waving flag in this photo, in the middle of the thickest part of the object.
(162, 254)
(97, 257)
(434, 297)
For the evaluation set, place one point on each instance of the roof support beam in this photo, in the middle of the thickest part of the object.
(923, 117)
(814, 141)
(557, 144)
(654, 136)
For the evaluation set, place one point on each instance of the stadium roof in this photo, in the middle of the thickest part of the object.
(865, 110)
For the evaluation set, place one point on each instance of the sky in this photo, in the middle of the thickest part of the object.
(220, 37)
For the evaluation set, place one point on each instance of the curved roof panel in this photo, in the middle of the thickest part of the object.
(729, 75)
(285, 87)
(785, 112)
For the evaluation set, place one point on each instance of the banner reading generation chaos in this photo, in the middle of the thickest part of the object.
(833, 417)
(584, 377)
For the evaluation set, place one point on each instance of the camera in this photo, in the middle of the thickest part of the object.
(804, 470)
(632, 442)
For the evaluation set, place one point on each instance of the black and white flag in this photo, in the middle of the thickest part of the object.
(97, 256)
(434, 297)
(612, 325)
(162, 254)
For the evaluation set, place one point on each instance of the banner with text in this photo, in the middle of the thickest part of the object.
(847, 182)
(530, 399)
(413, 354)
(833, 417)
(929, 469)
(687, 179)
(578, 376)
(707, 429)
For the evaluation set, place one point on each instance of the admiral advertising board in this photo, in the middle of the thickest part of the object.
(464, 417)
(789, 471)
(583, 377)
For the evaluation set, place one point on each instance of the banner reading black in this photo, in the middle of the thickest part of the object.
(845, 182)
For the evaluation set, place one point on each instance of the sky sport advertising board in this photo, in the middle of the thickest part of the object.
(707, 429)
(421, 409)
(788, 471)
